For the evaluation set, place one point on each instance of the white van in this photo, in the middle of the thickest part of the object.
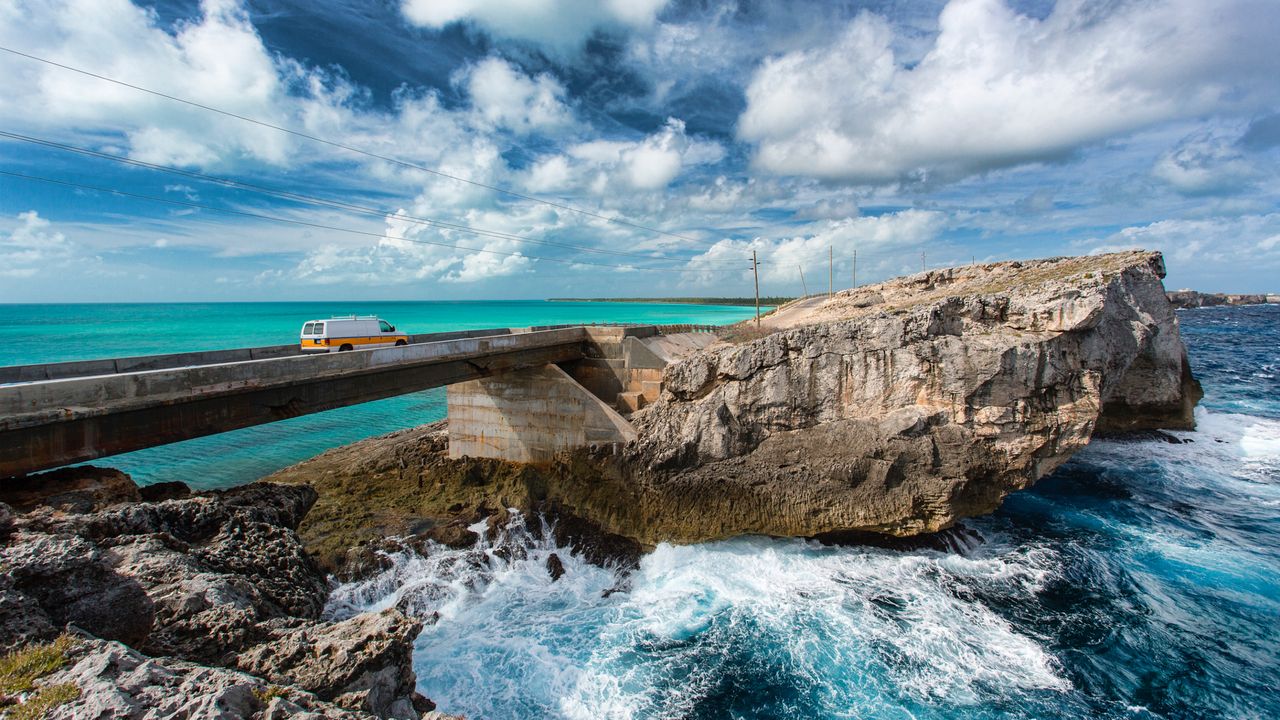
(349, 333)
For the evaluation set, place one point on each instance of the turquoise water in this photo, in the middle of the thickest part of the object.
(51, 333)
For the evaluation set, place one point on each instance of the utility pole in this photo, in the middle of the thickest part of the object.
(802, 282)
(831, 271)
(755, 270)
(922, 265)
(855, 268)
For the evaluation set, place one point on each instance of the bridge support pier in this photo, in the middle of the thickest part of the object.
(529, 416)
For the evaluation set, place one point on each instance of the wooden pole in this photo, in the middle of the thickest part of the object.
(922, 265)
(831, 271)
(855, 268)
(802, 282)
(755, 270)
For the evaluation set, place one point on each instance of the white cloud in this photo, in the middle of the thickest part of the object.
(558, 24)
(505, 97)
(31, 247)
(1205, 164)
(999, 89)
(1213, 248)
(649, 164)
(218, 60)
(889, 233)
(411, 251)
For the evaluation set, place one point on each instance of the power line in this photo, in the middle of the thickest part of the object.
(303, 223)
(348, 148)
(301, 197)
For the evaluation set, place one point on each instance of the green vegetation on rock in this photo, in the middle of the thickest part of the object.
(19, 671)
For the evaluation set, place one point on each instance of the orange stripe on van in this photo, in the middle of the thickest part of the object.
(353, 341)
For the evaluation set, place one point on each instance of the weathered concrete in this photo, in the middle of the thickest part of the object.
(529, 416)
(624, 366)
(58, 422)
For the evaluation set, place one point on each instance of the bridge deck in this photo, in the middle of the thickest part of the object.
(72, 412)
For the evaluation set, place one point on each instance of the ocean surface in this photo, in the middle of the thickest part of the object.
(1140, 580)
(52, 333)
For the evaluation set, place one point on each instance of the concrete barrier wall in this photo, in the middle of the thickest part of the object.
(529, 416)
(113, 366)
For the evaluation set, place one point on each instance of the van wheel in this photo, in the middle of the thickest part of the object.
(344, 348)
(400, 343)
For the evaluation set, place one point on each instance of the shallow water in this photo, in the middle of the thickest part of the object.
(52, 333)
(1140, 580)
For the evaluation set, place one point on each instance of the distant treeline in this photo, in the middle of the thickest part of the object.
(685, 301)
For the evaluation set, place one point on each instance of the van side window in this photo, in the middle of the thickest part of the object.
(386, 326)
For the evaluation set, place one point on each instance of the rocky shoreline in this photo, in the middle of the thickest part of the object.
(882, 414)
(1187, 299)
(171, 603)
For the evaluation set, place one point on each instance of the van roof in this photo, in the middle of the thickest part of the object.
(346, 317)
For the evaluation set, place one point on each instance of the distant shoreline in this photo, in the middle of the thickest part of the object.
(764, 301)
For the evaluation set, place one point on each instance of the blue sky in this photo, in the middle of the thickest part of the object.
(689, 133)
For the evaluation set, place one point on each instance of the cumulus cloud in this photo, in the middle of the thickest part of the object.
(218, 60)
(558, 24)
(31, 247)
(998, 88)
(505, 97)
(649, 164)
(411, 250)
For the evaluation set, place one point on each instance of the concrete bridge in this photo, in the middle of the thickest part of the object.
(518, 394)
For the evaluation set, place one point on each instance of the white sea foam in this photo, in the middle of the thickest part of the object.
(859, 632)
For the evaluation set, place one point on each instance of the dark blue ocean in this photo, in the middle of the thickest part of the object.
(1140, 580)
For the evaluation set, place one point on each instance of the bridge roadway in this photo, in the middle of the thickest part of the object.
(62, 413)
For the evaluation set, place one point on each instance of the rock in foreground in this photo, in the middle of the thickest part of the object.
(205, 585)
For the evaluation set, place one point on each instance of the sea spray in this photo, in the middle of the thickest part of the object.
(754, 625)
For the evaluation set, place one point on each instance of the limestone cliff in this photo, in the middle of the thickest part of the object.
(902, 407)
(894, 409)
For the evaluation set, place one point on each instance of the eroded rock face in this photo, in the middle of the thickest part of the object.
(903, 407)
(219, 579)
(364, 662)
(118, 682)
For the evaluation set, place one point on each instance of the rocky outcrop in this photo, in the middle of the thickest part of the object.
(364, 662)
(1184, 299)
(903, 407)
(115, 681)
(214, 579)
(895, 409)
